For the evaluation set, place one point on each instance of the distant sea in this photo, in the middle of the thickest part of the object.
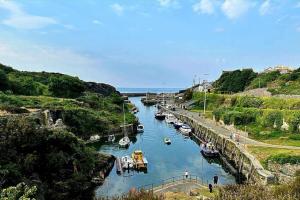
(151, 90)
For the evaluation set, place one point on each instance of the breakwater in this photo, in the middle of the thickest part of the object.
(245, 164)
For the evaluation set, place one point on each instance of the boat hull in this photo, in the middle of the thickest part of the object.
(210, 154)
(160, 117)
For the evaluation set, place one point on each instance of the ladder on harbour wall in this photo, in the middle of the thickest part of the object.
(173, 181)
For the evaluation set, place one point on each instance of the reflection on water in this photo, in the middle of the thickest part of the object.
(165, 161)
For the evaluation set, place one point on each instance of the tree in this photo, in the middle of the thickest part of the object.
(4, 82)
(66, 86)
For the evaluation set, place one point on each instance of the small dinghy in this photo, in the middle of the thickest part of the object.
(209, 150)
(124, 142)
(159, 116)
(167, 141)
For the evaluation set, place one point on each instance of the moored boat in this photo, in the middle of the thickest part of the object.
(159, 116)
(170, 118)
(140, 128)
(124, 142)
(209, 150)
(185, 129)
(140, 162)
(127, 162)
(177, 124)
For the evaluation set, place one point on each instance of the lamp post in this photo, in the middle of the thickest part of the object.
(204, 85)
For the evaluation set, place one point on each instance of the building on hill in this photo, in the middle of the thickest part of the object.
(280, 68)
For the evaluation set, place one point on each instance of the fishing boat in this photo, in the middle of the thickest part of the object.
(170, 118)
(125, 141)
(167, 140)
(177, 124)
(140, 162)
(185, 129)
(159, 116)
(140, 128)
(127, 162)
(111, 138)
(209, 150)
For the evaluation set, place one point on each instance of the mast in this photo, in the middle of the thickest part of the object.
(124, 119)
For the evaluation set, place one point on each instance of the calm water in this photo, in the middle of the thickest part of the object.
(151, 90)
(165, 161)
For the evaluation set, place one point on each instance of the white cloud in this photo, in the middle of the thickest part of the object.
(265, 7)
(204, 7)
(97, 22)
(168, 3)
(117, 8)
(236, 8)
(21, 20)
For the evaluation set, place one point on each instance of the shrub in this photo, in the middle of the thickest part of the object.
(295, 122)
(250, 102)
(284, 158)
(274, 117)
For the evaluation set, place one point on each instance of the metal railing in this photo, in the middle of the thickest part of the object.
(172, 181)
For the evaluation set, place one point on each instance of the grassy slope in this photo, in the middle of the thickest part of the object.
(235, 109)
(56, 161)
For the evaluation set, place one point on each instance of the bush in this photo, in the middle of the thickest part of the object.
(274, 117)
(66, 86)
(284, 158)
(295, 122)
(249, 102)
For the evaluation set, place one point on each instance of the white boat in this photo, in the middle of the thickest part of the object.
(185, 129)
(167, 140)
(124, 142)
(170, 118)
(127, 162)
(209, 150)
(140, 128)
(111, 138)
(94, 138)
(177, 124)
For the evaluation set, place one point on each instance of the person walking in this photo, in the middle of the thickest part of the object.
(186, 174)
(216, 178)
(210, 187)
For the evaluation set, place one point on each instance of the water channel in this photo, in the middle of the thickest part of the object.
(165, 161)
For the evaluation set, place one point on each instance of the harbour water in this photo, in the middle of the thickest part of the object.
(150, 90)
(165, 161)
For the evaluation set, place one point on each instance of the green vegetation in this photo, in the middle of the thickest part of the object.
(234, 81)
(277, 155)
(54, 163)
(263, 117)
(21, 191)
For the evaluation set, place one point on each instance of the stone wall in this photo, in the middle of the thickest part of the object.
(244, 163)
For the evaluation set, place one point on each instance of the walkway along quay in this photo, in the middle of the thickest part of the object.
(234, 152)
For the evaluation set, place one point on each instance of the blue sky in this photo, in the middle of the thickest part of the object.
(148, 43)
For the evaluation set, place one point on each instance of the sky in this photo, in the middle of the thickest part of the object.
(148, 43)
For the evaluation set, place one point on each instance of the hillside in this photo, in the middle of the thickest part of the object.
(275, 82)
(48, 84)
(45, 119)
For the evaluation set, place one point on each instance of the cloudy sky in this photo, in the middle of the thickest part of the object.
(148, 43)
